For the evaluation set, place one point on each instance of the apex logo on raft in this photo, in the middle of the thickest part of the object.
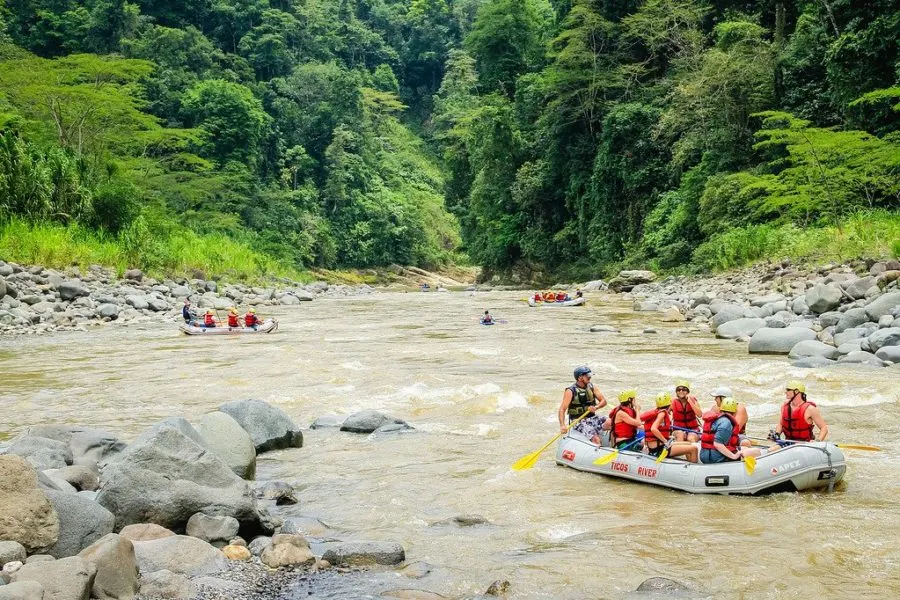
(786, 466)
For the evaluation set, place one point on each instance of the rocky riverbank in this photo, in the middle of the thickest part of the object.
(39, 300)
(819, 316)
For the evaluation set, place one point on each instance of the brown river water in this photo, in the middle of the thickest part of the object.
(480, 398)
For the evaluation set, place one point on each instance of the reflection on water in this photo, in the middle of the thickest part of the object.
(480, 398)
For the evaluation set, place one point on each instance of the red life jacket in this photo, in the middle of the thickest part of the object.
(793, 422)
(208, 319)
(683, 414)
(708, 439)
(537, 298)
(250, 320)
(233, 320)
(665, 428)
(622, 431)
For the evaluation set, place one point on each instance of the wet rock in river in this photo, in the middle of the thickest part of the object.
(282, 493)
(369, 421)
(365, 553)
(269, 427)
(778, 341)
(663, 585)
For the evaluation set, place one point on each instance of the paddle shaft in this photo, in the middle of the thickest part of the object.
(793, 442)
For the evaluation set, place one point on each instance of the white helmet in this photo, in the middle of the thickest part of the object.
(721, 391)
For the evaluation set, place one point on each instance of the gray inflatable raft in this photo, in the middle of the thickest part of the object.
(797, 467)
(267, 326)
(572, 302)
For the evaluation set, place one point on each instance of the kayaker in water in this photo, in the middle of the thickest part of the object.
(187, 312)
(658, 431)
(209, 320)
(487, 318)
(625, 422)
(233, 319)
(579, 398)
(251, 320)
(685, 410)
(799, 416)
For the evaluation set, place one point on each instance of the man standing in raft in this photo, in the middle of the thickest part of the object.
(579, 398)
(798, 416)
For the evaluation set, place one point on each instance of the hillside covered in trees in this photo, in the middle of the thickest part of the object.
(566, 135)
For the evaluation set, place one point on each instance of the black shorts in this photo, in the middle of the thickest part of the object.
(656, 451)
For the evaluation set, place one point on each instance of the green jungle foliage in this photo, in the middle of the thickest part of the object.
(570, 135)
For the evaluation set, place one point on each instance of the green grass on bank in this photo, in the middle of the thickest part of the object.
(180, 252)
(867, 234)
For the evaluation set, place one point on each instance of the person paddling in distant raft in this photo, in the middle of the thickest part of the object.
(233, 319)
(487, 318)
(798, 416)
(251, 320)
(187, 312)
(579, 398)
(625, 422)
(209, 320)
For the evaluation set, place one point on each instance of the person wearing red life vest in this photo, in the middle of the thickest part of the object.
(719, 442)
(625, 422)
(233, 319)
(799, 416)
(579, 398)
(719, 394)
(658, 431)
(208, 319)
(250, 319)
(685, 412)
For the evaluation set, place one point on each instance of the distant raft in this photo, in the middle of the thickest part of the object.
(572, 302)
(267, 326)
(801, 466)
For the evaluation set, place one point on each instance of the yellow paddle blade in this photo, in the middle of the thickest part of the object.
(750, 464)
(527, 461)
(605, 460)
(662, 455)
(858, 447)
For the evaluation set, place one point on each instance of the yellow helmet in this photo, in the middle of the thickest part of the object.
(252, 311)
(683, 383)
(232, 310)
(663, 400)
(627, 395)
(796, 385)
(728, 405)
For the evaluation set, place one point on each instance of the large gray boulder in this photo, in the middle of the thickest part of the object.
(88, 446)
(889, 336)
(269, 427)
(824, 297)
(22, 590)
(81, 523)
(179, 554)
(808, 348)
(66, 579)
(799, 306)
(117, 570)
(168, 585)
(849, 335)
(862, 358)
(369, 421)
(230, 442)
(27, 516)
(778, 341)
(739, 328)
(626, 280)
(889, 354)
(218, 531)
(181, 425)
(43, 453)
(365, 553)
(69, 290)
(10, 551)
(851, 318)
(730, 312)
(857, 288)
(164, 477)
(883, 305)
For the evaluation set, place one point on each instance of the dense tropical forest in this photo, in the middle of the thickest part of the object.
(568, 136)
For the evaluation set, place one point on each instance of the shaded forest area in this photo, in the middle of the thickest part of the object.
(573, 136)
